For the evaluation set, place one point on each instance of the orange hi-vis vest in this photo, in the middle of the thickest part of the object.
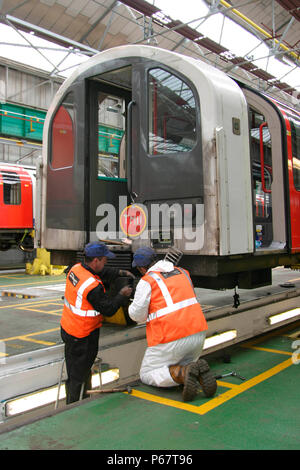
(174, 311)
(79, 318)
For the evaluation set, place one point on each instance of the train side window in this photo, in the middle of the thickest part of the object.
(172, 114)
(62, 143)
(295, 130)
(11, 188)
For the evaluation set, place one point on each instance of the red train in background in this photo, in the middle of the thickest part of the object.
(17, 206)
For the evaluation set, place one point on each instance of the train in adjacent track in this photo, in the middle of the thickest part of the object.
(17, 206)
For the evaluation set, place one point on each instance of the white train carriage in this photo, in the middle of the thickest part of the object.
(212, 166)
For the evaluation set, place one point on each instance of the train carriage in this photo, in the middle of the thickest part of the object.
(212, 164)
(17, 205)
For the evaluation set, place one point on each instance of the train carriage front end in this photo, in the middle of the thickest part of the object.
(145, 144)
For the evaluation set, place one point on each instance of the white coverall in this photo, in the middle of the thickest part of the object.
(157, 359)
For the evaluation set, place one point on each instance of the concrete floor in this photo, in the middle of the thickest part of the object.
(258, 413)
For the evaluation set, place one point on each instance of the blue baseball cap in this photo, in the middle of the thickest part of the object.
(143, 257)
(95, 249)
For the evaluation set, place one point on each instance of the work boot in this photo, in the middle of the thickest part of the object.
(188, 376)
(206, 378)
(177, 373)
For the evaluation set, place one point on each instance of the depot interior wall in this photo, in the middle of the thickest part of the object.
(24, 85)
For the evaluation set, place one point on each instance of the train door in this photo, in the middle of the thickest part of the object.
(160, 112)
(267, 175)
(292, 122)
(108, 104)
(166, 161)
(167, 165)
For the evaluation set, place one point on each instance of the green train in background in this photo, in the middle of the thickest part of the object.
(27, 123)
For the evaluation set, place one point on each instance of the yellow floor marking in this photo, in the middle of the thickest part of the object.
(219, 400)
(30, 334)
(227, 384)
(57, 312)
(32, 340)
(36, 302)
(3, 354)
(214, 402)
(42, 303)
(12, 276)
(164, 401)
(31, 283)
(276, 351)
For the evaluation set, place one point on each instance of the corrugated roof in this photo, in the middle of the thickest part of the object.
(292, 6)
(93, 25)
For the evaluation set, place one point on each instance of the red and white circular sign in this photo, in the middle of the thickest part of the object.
(133, 220)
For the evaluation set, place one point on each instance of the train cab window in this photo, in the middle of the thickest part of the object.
(295, 131)
(11, 188)
(62, 143)
(111, 129)
(172, 114)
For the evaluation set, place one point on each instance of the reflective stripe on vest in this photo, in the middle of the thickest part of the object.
(171, 306)
(81, 290)
(79, 317)
(81, 313)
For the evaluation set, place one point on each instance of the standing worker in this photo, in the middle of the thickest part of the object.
(175, 328)
(86, 301)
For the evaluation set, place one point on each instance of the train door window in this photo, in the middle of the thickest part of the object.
(295, 131)
(261, 155)
(11, 188)
(172, 114)
(62, 143)
(111, 129)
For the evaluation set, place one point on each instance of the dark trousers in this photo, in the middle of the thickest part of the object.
(80, 354)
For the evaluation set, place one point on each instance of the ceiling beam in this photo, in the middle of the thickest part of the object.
(46, 34)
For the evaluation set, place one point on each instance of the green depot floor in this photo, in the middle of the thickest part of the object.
(259, 413)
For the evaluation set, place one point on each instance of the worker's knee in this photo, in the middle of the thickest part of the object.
(157, 377)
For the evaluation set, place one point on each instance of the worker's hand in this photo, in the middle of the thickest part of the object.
(126, 273)
(127, 291)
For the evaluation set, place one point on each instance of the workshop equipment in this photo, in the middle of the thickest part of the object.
(228, 374)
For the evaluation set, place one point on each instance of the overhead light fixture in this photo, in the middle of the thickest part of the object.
(47, 396)
(219, 338)
(284, 316)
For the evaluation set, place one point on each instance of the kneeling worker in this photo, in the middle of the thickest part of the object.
(175, 327)
(86, 301)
